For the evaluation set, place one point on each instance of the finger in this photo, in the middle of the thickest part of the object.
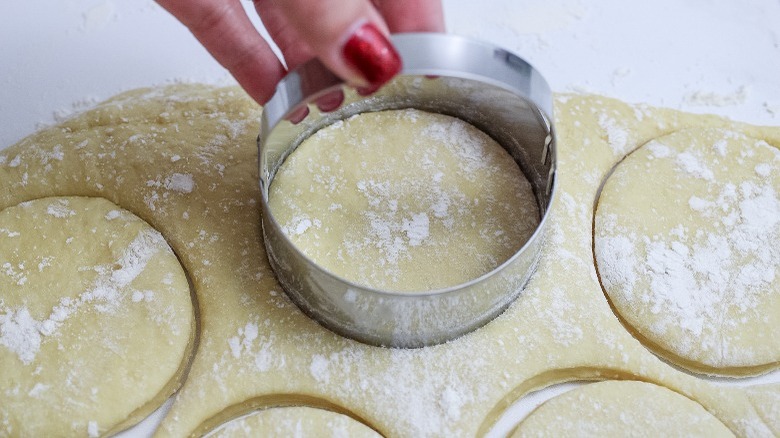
(349, 37)
(412, 15)
(294, 49)
(225, 31)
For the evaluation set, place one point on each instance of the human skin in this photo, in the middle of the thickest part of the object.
(348, 36)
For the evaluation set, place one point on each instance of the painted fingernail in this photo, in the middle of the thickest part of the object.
(369, 52)
(297, 115)
(367, 91)
(331, 101)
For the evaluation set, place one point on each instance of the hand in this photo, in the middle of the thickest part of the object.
(348, 36)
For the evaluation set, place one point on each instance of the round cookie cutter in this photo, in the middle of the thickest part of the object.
(487, 86)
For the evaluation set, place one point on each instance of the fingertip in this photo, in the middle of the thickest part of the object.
(371, 54)
(348, 36)
(224, 29)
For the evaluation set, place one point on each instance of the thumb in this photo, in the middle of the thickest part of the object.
(348, 36)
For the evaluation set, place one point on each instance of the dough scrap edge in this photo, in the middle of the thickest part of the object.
(295, 421)
(270, 402)
(737, 402)
(671, 358)
(514, 432)
(181, 374)
(176, 381)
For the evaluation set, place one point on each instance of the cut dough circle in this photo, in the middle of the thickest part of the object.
(404, 200)
(96, 319)
(294, 421)
(621, 408)
(683, 244)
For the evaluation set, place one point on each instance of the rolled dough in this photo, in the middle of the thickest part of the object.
(369, 197)
(96, 321)
(184, 159)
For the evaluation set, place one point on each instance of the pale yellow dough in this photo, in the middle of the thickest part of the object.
(294, 421)
(687, 242)
(620, 409)
(184, 159)
(95, 318)
(404, 200)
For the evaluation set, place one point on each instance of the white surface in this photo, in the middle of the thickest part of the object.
(714, 56)
(710, 56)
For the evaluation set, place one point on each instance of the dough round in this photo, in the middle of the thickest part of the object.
(686, 243)
(294, 421)
(96, 319)
(621, 408)
(404, 200)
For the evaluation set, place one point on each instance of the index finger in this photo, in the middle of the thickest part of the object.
(224, 29)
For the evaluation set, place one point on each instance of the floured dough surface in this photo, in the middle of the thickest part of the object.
(184, 159)
(95, 318)
(688, 247)
(619, 409)
(294, 421)
(372, 196)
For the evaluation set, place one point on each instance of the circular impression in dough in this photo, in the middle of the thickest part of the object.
(621, 408)
(293, 421)
(686, 245)
(96, 319)
(404, 200)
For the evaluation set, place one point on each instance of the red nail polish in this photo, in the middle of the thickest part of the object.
(370, 53)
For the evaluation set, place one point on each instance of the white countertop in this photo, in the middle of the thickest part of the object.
(706, 56)
(716, 56)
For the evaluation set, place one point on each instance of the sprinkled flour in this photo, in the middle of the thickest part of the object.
(23, 334)
(59, 209)
(617, 135)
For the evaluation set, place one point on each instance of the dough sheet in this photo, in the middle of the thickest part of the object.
(183, 158)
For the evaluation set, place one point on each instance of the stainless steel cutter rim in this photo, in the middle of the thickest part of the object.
(543, 115)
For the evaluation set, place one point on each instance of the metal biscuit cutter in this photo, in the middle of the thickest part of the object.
(487, 86)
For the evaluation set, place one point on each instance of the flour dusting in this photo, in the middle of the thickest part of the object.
(21, 333)
(59, 209)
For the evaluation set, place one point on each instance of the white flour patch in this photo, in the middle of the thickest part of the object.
(180, 182)
(417, 228)
(712, 99)
(177, 182)
(23, 334)
(692, 164)
(59, 209)
(617, 134)
(113, 214)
